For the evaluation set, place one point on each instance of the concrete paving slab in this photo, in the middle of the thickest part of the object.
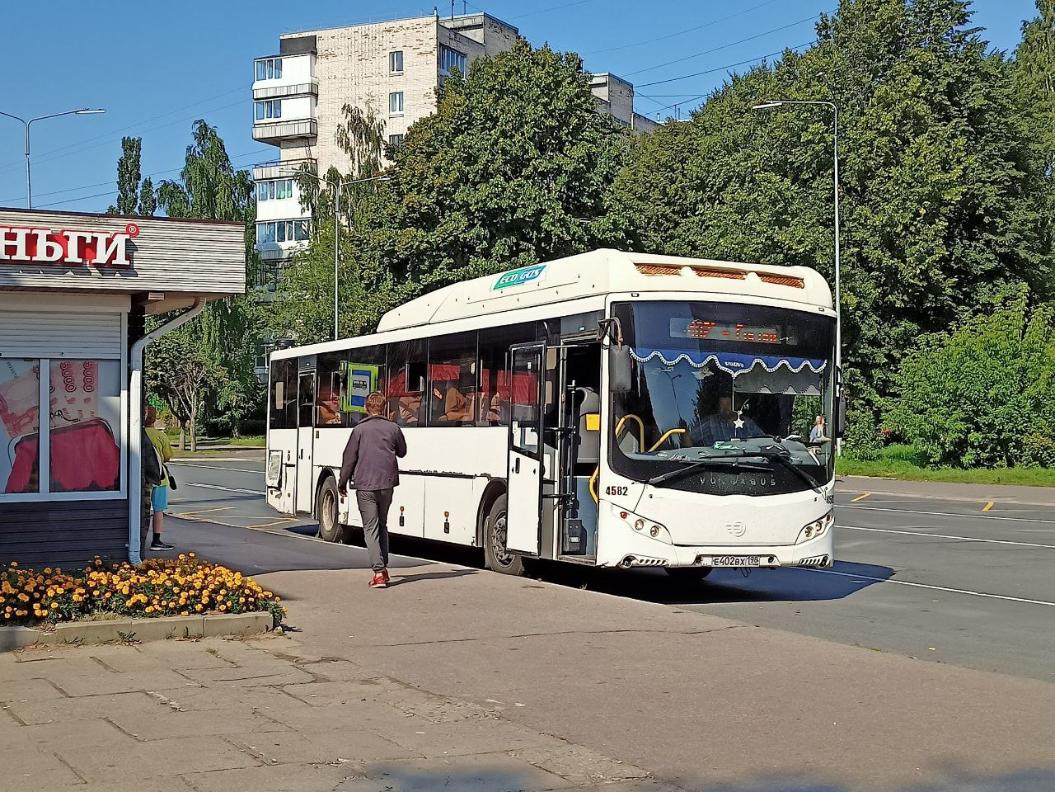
(167, 722)
(157, 759)
(319, 747)
(243, 676)
(170, 784)
(487, 773)
(372, 716)
(464, 738)
(95, 734)
(92, 684)
(36, 769)
(174, 655)
(205, 699)
(85, 708)
(276, 778)
(14, 691)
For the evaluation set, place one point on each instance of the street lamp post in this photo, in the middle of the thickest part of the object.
(28, 123)
(774, 103)
(338, 186)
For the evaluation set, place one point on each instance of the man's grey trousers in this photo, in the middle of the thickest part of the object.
(374, 506)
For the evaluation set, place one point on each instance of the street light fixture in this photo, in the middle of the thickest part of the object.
(775, 103)
(28, 123)
(338, 186)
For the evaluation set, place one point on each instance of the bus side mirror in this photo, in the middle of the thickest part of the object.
(840, 417)
(620, 369)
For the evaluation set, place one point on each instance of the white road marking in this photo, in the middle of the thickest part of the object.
(217, 467)
(224, 489)
(947, 514)
(947, 536)
(927, 586)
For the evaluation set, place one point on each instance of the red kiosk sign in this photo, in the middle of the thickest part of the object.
(67, 246)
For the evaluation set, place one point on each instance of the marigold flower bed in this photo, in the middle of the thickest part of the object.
(183, 586)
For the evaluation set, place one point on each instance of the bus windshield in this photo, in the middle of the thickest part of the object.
(724, 398)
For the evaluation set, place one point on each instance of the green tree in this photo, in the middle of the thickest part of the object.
(229, 330)
(940, 207)
(1035, 80)
(981, 395)
(511, 169)
(147, 199)
(181, 373)
(128, 177)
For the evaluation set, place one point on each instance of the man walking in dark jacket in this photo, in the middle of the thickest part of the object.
(370, 466)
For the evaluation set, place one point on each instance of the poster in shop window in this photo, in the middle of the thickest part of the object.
(84, 414)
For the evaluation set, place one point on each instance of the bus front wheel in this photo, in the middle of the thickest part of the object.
(330, 527)
(496, 555)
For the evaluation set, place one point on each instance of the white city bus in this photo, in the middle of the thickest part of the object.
(612, 409)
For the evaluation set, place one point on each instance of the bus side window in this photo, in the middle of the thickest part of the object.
(329, 390)
(406, 382)
(453, 388)
(493, 345)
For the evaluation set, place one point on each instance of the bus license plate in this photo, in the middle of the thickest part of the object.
(735, 561)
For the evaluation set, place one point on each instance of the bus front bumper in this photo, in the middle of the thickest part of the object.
(634, 549)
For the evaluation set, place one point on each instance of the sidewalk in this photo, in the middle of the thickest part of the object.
(465, 680)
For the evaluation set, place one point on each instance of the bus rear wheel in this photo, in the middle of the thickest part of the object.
(330, 527)
(688, 574)
(497, 557)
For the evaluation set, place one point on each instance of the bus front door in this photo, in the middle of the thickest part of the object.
(305, 488)
(525, 381)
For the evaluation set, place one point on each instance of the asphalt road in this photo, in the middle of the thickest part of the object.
(959, 580)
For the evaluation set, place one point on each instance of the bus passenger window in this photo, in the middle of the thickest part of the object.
(329, 390)
(405, 389)
(494, 343)
(452, 380)
(283, 394)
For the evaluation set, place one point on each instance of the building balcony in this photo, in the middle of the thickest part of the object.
(276, 131)
(270, 90)
(279, 169)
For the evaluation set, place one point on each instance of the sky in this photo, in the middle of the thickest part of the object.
(156, 67)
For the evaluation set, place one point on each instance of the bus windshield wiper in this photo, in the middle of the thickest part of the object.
(784, 459)
(732, 460)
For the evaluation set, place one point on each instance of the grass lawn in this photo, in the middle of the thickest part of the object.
(903, 462)
(205, 443)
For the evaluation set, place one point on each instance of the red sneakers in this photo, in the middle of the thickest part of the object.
(385, 573)
(379, 581)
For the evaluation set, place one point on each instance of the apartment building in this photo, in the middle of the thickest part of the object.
(392, 67)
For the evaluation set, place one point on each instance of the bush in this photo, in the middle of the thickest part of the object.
(863, 439)
(158, 587)
(982, 395)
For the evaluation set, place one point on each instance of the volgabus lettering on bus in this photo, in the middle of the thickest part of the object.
(67, 246)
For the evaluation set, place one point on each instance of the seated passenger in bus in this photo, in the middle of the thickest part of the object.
(457, 407)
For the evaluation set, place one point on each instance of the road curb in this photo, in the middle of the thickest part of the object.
(161, 628)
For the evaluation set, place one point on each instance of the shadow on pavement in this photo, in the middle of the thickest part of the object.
(1032, 780)
(498, 777)
(399, 580)
(723, 585)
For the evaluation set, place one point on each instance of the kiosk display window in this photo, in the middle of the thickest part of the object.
(82, 425)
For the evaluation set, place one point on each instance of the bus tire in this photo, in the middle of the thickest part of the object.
(496, 557)
(688, 574)
(330, 527)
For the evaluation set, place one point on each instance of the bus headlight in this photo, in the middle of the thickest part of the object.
(816, 528)
(642, 526)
